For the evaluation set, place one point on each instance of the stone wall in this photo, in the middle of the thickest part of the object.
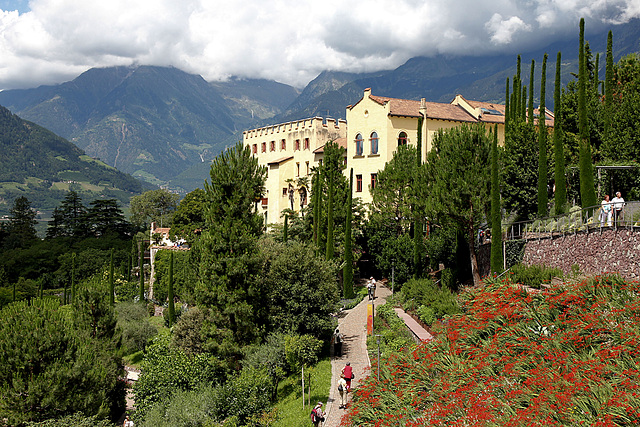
(596, 252)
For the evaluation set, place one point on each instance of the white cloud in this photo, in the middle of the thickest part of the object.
(286, 40)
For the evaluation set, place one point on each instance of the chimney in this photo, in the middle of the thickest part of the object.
(423, 107)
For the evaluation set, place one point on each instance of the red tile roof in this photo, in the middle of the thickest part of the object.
(435, 110)
(280, 160)
(342, 142)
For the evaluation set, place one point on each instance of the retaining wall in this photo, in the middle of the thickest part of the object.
(595, 252)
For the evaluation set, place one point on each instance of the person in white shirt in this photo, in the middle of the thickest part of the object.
(605, 213)
(618, 205)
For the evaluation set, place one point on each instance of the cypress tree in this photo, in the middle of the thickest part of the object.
(14, 291)
(530, 111)
(418, 238)
(141, 287)
(315, 188)
(608, 86)
(587, 187)
(330, 244)
(64, 294)
(506, 108)
(347, 271)
(560, 180)
(543, 175)
(496, 220)
(523, 112)
(172, 308)
(111, 284)
(285, 229)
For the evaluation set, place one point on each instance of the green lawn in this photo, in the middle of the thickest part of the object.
(289, 406)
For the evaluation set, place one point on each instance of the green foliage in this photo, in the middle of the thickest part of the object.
(21, 229)
(166, 370)
(543, 196)
(302, 350)
(189, 216)
(43, 372)
(187, 333)
(347, 272)
(298, 291)
(514, 251)
(558, 145)
(153, 206)
(270, 356)
(76, 420)
(534, 275)
(184, 276)
(390, 251)
(457, 182)
(394, 334)
(520, 170)
(133, 321)
(424, 293)
(226, 252)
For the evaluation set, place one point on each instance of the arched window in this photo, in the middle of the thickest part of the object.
(359, 145)
(374, 143)
(402, 139)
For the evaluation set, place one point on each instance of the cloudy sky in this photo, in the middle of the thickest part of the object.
(291, 41)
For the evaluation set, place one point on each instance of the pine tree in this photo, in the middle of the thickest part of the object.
(497, 263)
(543, 198)
(172, 308)
(73, 278)
(587, 187)
(559, 179)
(347, 271)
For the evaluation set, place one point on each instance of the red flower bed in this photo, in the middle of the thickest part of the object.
(567, 355)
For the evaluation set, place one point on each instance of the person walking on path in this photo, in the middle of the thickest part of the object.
(371, 288)
(317, 415)
(347, 374)
(343, 390)
(337, 343)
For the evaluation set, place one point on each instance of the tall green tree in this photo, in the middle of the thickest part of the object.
(530, 106)
(104, 217)
(587, 187)
(459, 182)
(347, 272)
(336, 189)
(172, 307)
(69, 218)
(111, 282)
(418, 215)
(497, 263)
(154, 206)
(543, 178)
(608, 86)
(22, 222)
(226, 252)
(188, 218)
(558, 145)
(141, 248)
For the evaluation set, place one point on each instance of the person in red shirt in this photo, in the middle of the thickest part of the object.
(347, 371)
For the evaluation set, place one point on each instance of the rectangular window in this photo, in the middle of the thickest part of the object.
(272, 146)
(283, 144)
(264, 147)
(284, 191)
(374, 178)
(255, 148)
(306, 143)
(297, 145)
(298, 169)
(358, 183)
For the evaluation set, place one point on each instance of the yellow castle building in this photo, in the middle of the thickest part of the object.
(290, 151)
(375, 127)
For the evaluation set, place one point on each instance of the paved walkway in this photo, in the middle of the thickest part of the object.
(353, 324)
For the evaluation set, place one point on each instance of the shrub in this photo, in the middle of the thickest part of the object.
(133, 320)
(423, 292)
(534, 275)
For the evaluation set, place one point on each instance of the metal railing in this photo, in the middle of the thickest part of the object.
(576, 220)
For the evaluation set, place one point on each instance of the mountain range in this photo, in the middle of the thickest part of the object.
(38, 164)
(164, 126)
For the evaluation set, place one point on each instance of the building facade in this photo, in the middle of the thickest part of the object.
(377, 125)
(290, 151)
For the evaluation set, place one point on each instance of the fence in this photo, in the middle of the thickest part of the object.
(577, 220)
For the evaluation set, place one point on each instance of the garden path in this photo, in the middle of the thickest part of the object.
(353, 325)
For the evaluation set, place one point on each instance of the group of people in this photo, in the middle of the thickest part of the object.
(611, 210)
(344, 385)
